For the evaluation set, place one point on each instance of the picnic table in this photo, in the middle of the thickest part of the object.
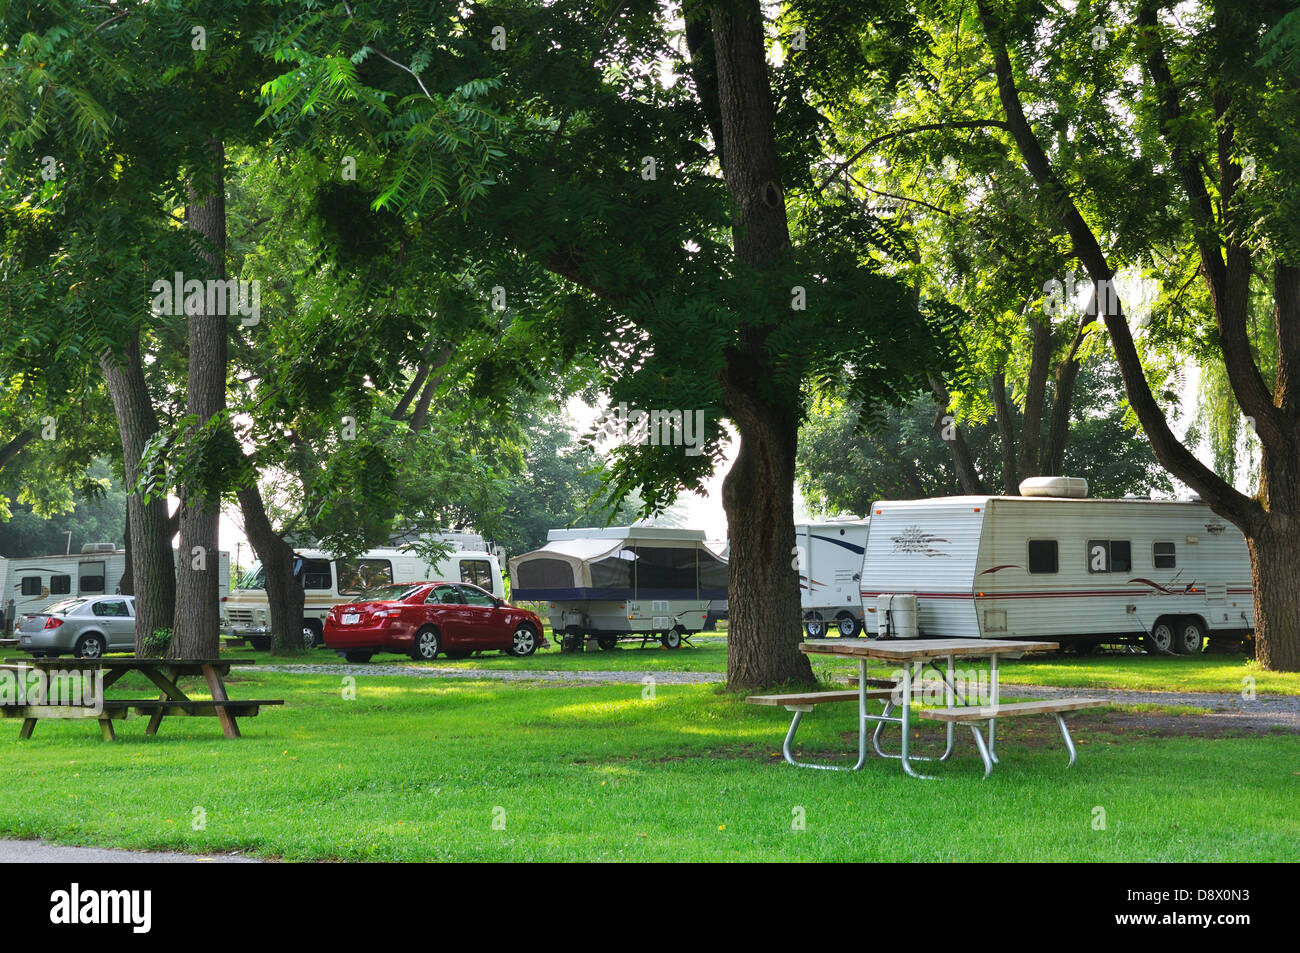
(919, 654)
(106, 671)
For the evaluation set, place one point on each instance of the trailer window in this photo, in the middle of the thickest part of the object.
(31, 585)
(357, 576)
(60, 585)
(1164, 556)
(1110, 555)
(476, 571)
(316, 574)
(544, 574)
(92, 578)
(1043, 556)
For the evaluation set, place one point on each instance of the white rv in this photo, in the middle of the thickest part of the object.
(33, 582)
(830, 565)
(622, 581)
(1062, 567)
(327, 581)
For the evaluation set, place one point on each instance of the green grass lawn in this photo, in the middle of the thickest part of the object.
(418, 769)
(1166, 673)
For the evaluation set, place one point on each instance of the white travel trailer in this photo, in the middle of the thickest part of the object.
(830, 566)
(32, 583)
(1063, 567)
(622, 581)
(327, 581)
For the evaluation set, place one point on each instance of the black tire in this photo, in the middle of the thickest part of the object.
(524, 642)
(607, 641)
(313, 634)
(1086, 646)
(260, 642)
(847, 626)
(1160, 640)
(814, 626)
(457, 656)
(427, 644)
(1189, 636)
(672, 639)
(90, 645)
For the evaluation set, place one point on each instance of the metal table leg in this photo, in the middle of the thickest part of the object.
(907, 726)
(863, 718)
(993, 703)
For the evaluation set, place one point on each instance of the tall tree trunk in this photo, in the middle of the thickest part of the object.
(126, 585)
(198, 566)
(1066, 376)
(758, 493)
(1006, 435)
(153, 576)
(945, 425)
(1031, 425)
(284, 593)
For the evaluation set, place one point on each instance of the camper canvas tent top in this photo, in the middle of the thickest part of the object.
(622, 581)
(830, 561)
(1085, 571)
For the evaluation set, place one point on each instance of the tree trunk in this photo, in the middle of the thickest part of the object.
(126, 585)
(967, 475)
(284, 593)
(153, 576)
(1274, 567)
(758, 493)
(1006, 435)
(197, 609)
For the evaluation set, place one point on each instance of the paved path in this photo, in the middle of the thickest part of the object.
(39, 852)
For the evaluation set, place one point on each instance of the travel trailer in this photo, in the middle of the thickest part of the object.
(327, 582)
(622, 582)
(830, 565)
(32, 583)
(1053, 564)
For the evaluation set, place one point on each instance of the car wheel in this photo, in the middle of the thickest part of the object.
(89, 646)
(427, 645)
(1191, 636)
(607, 641)
(814, 627)
(524, 642)
(847, 625)
(1161, 639)
(312, 633)
(671, 639)
(359, 657)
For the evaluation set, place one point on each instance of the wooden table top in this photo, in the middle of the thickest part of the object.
(903, 650)
(125, 661)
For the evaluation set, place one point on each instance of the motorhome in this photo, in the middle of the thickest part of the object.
(33, 582)
(328, 581)
(1054, 564)
(830, 566)
(622, 582)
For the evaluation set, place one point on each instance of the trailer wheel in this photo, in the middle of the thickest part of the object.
(1191, 636)
(847, 625)
(607, 641)
(672, 639)
(814, 626)
(1160, 641)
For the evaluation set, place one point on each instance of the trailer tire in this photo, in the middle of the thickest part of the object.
(814, 626)
(847, 625)
(1190, 638)
(672, 639)
(1160, 640)
(607, 642)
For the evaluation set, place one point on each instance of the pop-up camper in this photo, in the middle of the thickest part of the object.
(830, 561)
(622, 581)
(1052, 564)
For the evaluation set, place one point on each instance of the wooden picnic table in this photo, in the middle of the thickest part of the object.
(918, 654)
(106, 671)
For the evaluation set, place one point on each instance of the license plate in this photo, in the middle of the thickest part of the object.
(351, 618)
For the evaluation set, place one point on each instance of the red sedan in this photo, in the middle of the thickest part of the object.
(422, 619)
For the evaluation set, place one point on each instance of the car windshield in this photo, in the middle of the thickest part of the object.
(64, 607)
(394, 593)
(255, 578)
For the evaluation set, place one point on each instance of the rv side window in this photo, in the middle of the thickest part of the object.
(1042, 556)
(358, 575)
(31, 585)
(1163, 556)
(1110, 555)
(60, 585)
(92, 578)
(477, 572)
(316, 574)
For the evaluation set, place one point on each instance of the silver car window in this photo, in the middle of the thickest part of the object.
(64, 607)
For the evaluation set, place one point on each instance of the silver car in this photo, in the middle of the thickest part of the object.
(86, 626)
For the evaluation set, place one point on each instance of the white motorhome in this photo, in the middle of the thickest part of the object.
(327, 581)
(33, 582)
(1053, 564)
(622, 581)
(830, 564)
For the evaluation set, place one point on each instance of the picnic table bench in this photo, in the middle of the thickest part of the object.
(899, 694)
(104, 672)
